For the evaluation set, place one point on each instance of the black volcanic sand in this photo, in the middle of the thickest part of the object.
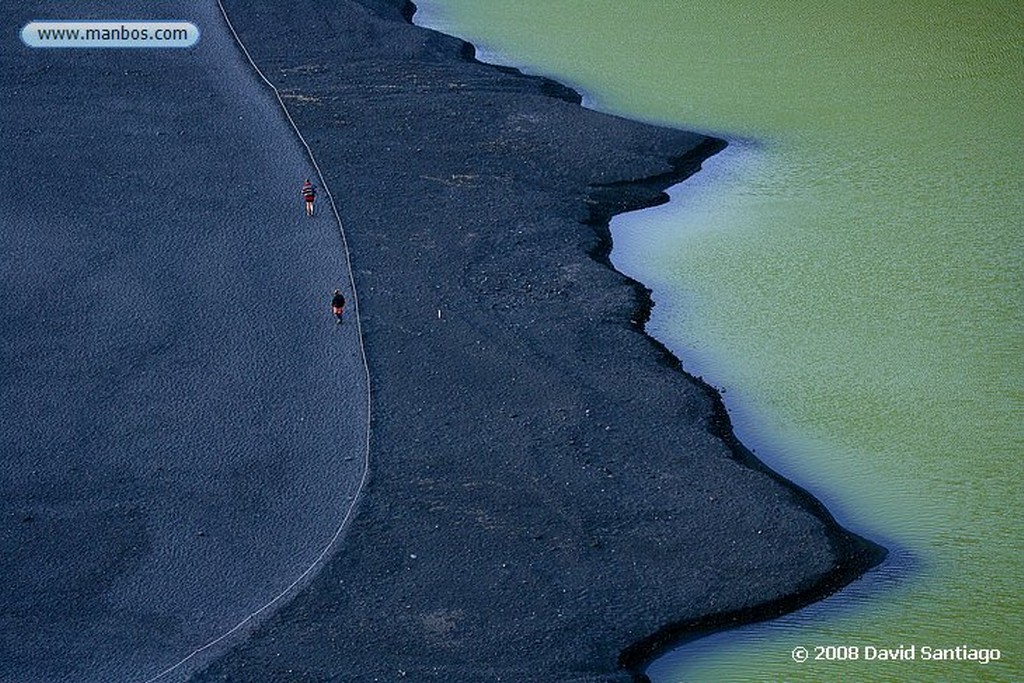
(165, 345)
(552, 498)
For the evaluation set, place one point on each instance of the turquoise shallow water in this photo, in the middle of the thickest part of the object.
(848, 270)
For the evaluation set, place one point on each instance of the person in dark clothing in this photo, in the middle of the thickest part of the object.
(338, 305)
(309, 194)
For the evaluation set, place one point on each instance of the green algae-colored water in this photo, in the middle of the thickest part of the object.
(849, 271)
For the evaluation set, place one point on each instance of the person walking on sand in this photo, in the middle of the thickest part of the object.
(309, 194)
(338, 305)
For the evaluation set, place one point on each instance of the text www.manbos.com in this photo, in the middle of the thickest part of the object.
(109, 34)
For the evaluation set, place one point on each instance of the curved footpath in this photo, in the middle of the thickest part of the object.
(551, 498)
(184, 426)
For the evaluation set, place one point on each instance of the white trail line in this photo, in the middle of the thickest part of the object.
(366, 369)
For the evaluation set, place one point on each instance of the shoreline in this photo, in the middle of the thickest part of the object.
(640, 654)
(637, 656)
(527, 576)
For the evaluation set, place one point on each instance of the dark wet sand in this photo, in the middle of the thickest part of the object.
(552, 498)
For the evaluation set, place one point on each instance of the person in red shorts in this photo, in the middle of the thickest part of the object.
(309, 194)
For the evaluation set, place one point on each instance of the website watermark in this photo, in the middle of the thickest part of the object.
(110, 34)
(896, 653)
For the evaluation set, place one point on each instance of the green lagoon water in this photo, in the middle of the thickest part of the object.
(849, 271)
